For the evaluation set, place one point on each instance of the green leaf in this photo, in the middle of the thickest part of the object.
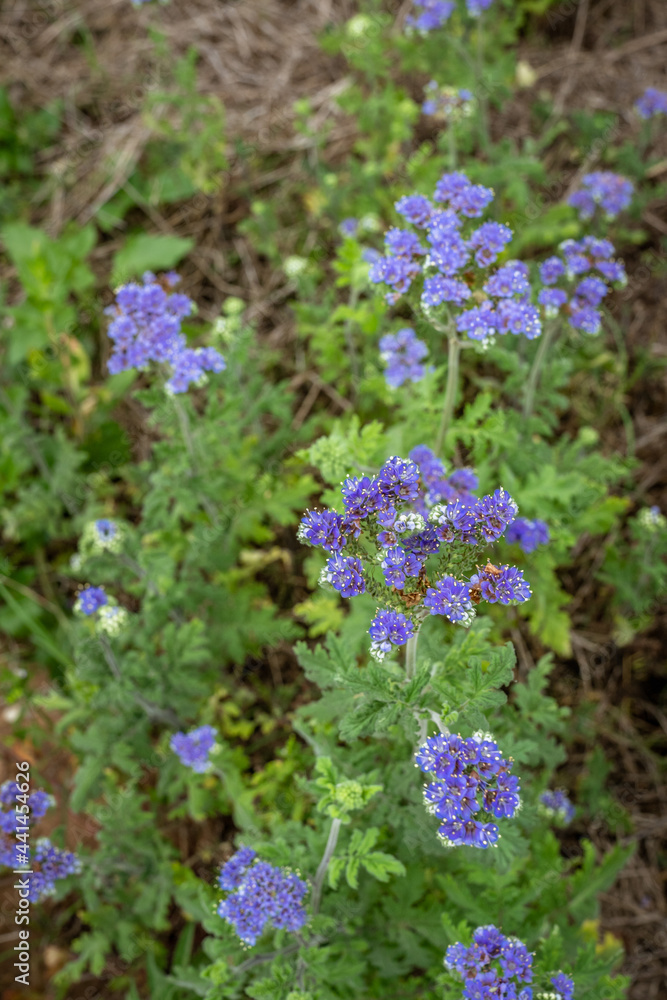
(352, 873)
(381, 865)
(335, 870)
(143, 252)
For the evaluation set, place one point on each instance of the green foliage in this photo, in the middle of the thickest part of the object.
(313, 760)
(143, 252)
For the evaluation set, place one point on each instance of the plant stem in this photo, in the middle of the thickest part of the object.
(139, 572)
(184, 424)
(450, 392)
(533, 378)
(324, 864)
(411, 655)
(250, 963)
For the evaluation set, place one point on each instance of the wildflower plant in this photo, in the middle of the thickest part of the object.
(575, 282)
(44, 863)
(403, 353)
(90, 600)
(145, 329)
(431, 14)
(411, 537)
(651, 103)
(464, 292)
(339, 878)
(528, 534)
(193, 748)
(493, 965)
(473, 787)
(556, 805)
(260, 894)
(496, 965)
(602, 189)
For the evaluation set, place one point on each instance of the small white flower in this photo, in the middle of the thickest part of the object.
(358, 26)
(294, 266)
(111, 619)
(651, 518)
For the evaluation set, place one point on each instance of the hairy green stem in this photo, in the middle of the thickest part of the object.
(411, 655)
(531, 386)
(324, 864)
(454, 354)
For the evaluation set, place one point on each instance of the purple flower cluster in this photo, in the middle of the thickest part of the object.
(447, 103)
(556, 804)
(146, 327)
(402, 354)
(349, 227)
(448, 261)
(39, 802)
(432, 14)
(499, 584)
(451, 598)
(346, 575)
(474, 521)
(493, 967)
(564, 986)
(389, 628)
(90, 600)
(194, 747)
(412, 511)
(49, 864)
(652, 102)
(610, 191)
(232, 872)
(529, 534)
(105, 530)
(588, 263)
(472, 775)
(12, 851)
(261, 895)
(437, 487)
